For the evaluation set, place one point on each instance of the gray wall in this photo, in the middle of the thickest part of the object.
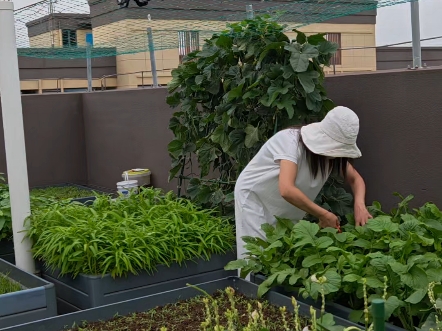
(94, 137)
(400, 135)
(401, 57)
(34, 68)
(54, 135)
(125, 130)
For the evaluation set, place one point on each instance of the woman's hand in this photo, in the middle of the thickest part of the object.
(329, 220)
(361, 215)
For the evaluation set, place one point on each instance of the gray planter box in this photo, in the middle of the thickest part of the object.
(87, 291)
(149, 302)
(35, 302)
(331, 307)
(7, 251)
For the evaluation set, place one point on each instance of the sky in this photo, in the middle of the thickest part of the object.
(393, 23)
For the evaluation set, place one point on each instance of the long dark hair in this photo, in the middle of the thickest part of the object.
(319, 164)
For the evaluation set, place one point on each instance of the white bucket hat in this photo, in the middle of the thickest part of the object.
(335, 135)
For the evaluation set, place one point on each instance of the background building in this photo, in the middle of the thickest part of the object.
(124, 32)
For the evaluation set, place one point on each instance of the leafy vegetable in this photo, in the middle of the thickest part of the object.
(126, 235)
(401, 251)
(62, 192)
(37, 200)
(7, 285)
(5, 211)
(244, 85)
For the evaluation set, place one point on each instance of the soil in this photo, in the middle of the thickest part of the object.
(188, 316)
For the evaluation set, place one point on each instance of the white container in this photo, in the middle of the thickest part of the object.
(127, 187)
(140, 175)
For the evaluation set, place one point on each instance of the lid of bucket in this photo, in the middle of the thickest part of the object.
(128, 183)
(137, 171)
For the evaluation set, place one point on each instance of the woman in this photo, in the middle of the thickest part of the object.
(288, 172)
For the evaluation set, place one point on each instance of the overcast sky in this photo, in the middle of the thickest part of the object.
(393, 25)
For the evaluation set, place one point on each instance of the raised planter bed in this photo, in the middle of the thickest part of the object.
(35, 301)
(331, 307)
(149, 302)
(7, 251)
(87, 291)
(85, 200)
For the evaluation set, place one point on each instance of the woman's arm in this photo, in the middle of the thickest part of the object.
(293, 195)
(357, 185)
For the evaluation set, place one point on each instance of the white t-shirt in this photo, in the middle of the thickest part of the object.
(258, 184)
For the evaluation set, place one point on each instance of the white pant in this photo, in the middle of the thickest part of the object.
(248, 220)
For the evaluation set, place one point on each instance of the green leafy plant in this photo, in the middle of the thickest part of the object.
(62, 192)
(37, 201)
(126, 235)
(243, 86)
(5, 211)
(403, 246)
(8, 285)
(434, 320)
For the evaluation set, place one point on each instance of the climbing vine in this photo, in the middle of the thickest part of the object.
(245, 84)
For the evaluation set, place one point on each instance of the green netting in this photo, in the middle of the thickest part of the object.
(58, 28)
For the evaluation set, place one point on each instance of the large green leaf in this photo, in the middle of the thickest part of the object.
(416, 278)
(276, 90)
(417, 296)
(305, 233)
(175, 147)
(235, 265)
(333, 282)
(252, 136)
(220, 136)
(300, 56)
(234, 93)
(207, 153)
(307, 80)
(265, 286)
(382, 224)
(301, 37)
(311, 260)
(317, 38)
(326, 47)
(391, 305)
(287, 102)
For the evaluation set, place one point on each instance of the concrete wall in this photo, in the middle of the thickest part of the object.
(54, 135)
(401, 57)
(95, 137)
(125, 130)
(34, 68)
(400, 116)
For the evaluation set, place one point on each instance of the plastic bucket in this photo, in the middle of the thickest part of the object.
(140, 175)
(127, 187)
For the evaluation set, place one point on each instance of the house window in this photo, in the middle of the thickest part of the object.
(336, 38)
(188, 41)
(69, 38)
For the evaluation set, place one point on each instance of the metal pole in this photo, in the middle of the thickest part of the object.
(416, 34)
(153, 63)
(89, 44)
(250, 12)
(14, 137)
(378, 312)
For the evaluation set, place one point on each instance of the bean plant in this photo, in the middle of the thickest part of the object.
(126, 235)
